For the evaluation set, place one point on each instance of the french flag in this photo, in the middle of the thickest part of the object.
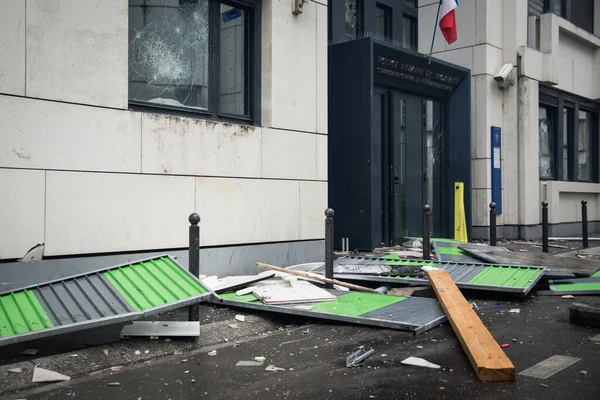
(448, 20)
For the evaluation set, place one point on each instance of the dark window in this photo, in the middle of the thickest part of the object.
(352, 18)
(383, 21)
(582, 14)
(579, 12)
(584, 145)
(409, 33)
(567, 135)
(192, 55)
(568, 143)
(547, 133)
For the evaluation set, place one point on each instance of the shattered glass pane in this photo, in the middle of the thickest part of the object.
(583, 146)
(351, 18)
(232, 99)
(168, 52)
(547, 134)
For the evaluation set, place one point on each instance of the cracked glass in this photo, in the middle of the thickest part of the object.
(168, 53)
(547, 131)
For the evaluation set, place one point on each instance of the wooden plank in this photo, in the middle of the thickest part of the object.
(487, 358)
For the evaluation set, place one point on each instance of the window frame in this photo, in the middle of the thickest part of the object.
(252, 75)
(561, 100)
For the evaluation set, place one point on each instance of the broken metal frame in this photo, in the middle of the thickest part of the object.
(553, 292)
(104, 321)
(447, 265)
(381, 323)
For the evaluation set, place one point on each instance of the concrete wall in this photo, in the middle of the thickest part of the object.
(82, 173)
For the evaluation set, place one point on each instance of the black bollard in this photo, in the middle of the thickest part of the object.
(584, 226)
(492, 224)
(545, 226)
(194, 259)
(426, 236)
(329, 246)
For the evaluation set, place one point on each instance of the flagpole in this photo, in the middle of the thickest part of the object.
(435, 30)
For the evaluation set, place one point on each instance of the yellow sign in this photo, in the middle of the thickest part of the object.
(460, 221)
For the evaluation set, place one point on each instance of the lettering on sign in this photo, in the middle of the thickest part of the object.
(412, 73)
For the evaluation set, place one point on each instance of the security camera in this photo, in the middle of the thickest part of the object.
(504, 76)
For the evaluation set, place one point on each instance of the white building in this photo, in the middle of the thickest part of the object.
(549, 116)
(119, 118)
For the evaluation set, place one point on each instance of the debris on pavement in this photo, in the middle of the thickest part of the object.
(156, 329)
(233, 326)
(272, 368)
(404, 292)
(514, 310)
(45, 375)
(245, 291)
(212, 353)
(317, 277)
(230, 283)
(358, 356)
(249, 363)
(501, 255)
(595, 338)
(113, 384)
(275, 291)
(419, 362)
(568, 296)
(240, 318)
(260, 359)
(549, 366)
(587, 314)
(15, 370)
(505, 345)
(105, 351)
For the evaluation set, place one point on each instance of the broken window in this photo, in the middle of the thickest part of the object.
(192, 55)
(568, 137)
(547, 126)
(352, 18)
(583, 146)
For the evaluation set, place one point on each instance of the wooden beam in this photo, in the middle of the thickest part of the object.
(487, 358)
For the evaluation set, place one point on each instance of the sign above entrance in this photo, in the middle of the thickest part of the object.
(415, 74)
(412, 72)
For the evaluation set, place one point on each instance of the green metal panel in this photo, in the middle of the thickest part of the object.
(356, 304)
(451, 251)
(352, 303)
(153, 283)
(21, 312)
(520, 277)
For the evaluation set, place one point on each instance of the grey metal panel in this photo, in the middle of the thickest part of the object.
(68, 304)
(412, 323)
(463, 273)
(80, 299)
(414, 310)
(452, 257)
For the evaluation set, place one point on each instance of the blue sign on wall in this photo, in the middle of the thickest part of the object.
(497, 168)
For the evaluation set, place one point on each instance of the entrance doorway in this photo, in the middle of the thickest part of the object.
(412, 141)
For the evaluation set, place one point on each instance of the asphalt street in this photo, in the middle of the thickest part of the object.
(312, 356)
